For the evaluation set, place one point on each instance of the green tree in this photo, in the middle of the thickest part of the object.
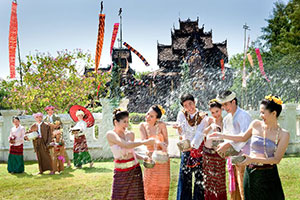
(53, 80)
(282, 34)
(280, 49)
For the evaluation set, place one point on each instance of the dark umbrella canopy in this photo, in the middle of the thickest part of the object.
(88, 117)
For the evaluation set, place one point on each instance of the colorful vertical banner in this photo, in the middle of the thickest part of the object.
(12, 39)
(98, 88)
(250, 59)
(99, 40)
(136, 53)
(114, 36)
(260, 63)
(222, 69)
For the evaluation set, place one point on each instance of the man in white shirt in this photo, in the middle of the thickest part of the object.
(190, 125)
(236, 122)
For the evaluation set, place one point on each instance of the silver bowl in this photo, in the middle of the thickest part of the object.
(237, 159)
(149, 164)
(160, 156)
(184, 145)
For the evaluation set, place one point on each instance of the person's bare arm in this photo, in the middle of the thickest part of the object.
(113, 138)
(237, 138)
(130, 136)
(209, 127)
(143, 131)
(164, 130)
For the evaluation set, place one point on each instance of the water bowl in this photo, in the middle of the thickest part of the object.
(149, 164)
(160, 157)
(184, 145)
(237, 159)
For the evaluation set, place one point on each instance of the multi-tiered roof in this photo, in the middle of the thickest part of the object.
(187, 41)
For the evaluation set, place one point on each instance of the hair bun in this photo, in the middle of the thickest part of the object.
(116, 111)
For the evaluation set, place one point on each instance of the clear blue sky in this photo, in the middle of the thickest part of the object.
(49, 26)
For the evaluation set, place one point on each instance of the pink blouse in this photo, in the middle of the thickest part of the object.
(19, 134)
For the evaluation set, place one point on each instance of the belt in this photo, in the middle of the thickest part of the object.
(260, 166)
(125, 165)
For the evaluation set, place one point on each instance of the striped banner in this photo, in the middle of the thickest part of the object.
(250, 59)
(99, 40)
(137, 53)
(114, 35)
(12, 39)
(261, 65)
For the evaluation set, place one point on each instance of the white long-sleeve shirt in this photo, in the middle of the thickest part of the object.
(236, 125)
(19, 133)
(192, 133)
(82, 126)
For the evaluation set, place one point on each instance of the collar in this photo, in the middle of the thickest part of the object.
(192, 115)
(236, 112)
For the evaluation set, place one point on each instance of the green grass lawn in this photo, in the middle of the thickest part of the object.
(95, 183)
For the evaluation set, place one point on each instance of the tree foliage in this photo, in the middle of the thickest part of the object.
(53, 81)
(279, 46)
(282, 34)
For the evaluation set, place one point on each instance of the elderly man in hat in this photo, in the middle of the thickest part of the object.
(235, 122)
(41, 143)
(56, 125)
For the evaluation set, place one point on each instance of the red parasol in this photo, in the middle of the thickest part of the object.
(88, 117)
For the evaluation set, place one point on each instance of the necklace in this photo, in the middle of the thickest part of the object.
(276, 140)
(196, 119)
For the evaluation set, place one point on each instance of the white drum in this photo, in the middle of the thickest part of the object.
(32, 135)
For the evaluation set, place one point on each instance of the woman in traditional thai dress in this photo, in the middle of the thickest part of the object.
(81, 154)
(156, 179)
(268, 145)
(15, 162)
(213, 164)
(128, 179)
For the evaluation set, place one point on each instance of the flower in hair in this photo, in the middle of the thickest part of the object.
(213, 100)
(162, 110)
(276, 100)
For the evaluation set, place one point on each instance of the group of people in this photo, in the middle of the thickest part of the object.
(49, 146)
(251, 148)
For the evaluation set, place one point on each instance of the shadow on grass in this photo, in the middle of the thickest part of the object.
(96, 170)
(64, 174)
(292, 155)
(103, 160)
(22, 175)
(27, 163)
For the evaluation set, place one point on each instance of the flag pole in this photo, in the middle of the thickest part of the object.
(20, 65)
(120, 14)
